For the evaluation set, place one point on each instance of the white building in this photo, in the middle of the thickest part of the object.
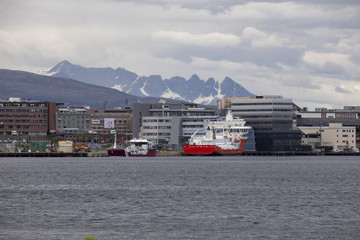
(335, 136)
(171, 127)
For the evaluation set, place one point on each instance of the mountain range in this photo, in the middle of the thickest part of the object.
(26, 85)
(178, 88)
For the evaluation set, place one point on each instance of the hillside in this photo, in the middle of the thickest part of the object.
(63, 90)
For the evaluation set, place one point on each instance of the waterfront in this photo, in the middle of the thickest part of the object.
(299, 197)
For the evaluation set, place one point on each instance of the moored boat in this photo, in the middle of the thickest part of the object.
(114, 151)
(221, 138)
(138, 147)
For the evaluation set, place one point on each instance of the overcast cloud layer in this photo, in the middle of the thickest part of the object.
(305, 50)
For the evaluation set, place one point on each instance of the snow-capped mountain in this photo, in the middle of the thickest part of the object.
(191, 90)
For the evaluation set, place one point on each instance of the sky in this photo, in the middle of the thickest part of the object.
(305, 50)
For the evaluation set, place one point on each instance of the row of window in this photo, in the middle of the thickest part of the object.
(72, 112)
(157, 134)
(19, 126)
(268, 122)
(155, 120)
(266, 116)
(156, 127)
(199, 121)
(22, 120)
(22, 115)
(73, 117)
(22, 110)
(179, 114)
(236, 130)
(261, 103)
(11, 104)
(192, 126)
(264, 110)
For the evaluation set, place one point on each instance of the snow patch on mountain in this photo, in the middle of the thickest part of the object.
(170, 94)
(142, 90)
(118, 87)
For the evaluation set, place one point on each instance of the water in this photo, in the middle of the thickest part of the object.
(180, 198)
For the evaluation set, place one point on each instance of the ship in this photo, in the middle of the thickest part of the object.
(227, 137)
(137, 147)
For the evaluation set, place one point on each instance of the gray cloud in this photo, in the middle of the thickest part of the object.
(340, 89)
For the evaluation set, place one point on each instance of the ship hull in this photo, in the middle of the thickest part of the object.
(213, 150)
(116, 152)
(150, 153)
(120, 152)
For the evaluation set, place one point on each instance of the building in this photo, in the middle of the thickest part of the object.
(171, 125)
(72, 120)
(349, 116)
(25, 117)
(324, 113)
(271, 117)
(333, 137)
(104, 121)
(140, 110)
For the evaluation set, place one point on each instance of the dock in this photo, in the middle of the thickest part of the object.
(170, 154)
(42, 154)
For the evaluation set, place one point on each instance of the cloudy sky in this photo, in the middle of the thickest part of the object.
(305, 50)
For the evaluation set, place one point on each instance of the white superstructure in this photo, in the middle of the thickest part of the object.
(225, 134)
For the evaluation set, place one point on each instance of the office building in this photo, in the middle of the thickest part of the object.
(271, 117)
(72, 120)
(334, 137)
(26, 117)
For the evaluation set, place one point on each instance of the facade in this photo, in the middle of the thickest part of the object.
(72, 120)
(333, 137)
(140, 110)
(346, 113)
(271, 117)
(348, 117)
(104, 121)
(25, 117)
(171, 125)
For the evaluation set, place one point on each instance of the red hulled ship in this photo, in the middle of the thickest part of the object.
(221, 138)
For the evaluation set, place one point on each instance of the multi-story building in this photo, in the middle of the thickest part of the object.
(140, 110)
(333, 137)
(324, 113)
(25, 117)
(349, 116)
(271, 117)
(171, 125)
(104, 121)
(72, 120)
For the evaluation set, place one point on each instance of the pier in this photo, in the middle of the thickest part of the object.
(170, 154)
(42, 154)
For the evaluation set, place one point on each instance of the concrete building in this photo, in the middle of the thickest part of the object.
(349, 116)
(333, 137)
(25, 117)
(271, 117)
(171, 126)
(140, 110)
(72, 120)
(103, 121)
(346, 113)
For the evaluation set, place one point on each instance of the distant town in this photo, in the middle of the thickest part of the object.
(277, 125)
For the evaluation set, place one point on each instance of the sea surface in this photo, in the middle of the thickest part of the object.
(180, 198)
